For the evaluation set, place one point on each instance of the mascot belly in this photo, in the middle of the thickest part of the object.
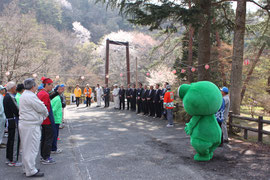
(202, 100)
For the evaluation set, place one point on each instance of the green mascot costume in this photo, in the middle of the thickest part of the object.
(202, 100)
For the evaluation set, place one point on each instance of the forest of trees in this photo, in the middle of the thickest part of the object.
(189, 40)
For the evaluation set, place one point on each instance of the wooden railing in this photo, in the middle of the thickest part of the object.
(259, 130)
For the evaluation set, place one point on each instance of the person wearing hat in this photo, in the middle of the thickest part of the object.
(32, 113)
(78, 93)
(88, 91)
(2, 117)
(226, 97)
(12, 114)
(116, 97)
(19, 89)
(168, 105)
(47, 124)
(40, 87)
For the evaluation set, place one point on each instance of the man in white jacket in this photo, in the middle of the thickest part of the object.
(2, 117)
(99, 93)
(32, 113)
(116, 99)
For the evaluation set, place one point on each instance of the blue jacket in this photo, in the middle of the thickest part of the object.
(220, 113)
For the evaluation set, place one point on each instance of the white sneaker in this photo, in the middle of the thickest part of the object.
(169, 125)
(58, 151)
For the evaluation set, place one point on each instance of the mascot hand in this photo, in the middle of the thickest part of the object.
(188, 129)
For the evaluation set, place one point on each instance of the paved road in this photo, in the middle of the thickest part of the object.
(108, 144)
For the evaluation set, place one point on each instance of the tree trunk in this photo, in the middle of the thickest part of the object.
(251, 71)
(237, 60)
(190, 53)
(190, 50)
(223, 75)
(204, 39)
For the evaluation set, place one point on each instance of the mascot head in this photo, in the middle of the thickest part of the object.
(200, 98)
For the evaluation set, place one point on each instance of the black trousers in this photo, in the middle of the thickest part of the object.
(46, 141)
(221, 132)
(139, 104)
(107, 101)
(128, 103)
(77, 101)
(122, 103)
(151, 108)
(145, 107)
(12, 134)
(158, 109)
(88, 101)
(133, 104)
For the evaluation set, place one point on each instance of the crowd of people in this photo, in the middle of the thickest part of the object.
(32, 116)
(144, 100)
(148, 101)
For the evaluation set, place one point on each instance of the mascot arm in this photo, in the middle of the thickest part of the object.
(192, 123)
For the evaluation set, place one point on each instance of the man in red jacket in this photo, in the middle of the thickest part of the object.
(168, 105)
(47, 128)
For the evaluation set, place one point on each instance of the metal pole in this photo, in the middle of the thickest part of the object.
(107, 62)
(128, 69)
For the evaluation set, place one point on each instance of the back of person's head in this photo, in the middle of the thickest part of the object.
(10, 85)
(29, 83)
(20, 88)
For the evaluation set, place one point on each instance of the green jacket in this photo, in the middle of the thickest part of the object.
(57, 109)
(17, 97)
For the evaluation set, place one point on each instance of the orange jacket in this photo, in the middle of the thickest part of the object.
(87, 93)
(168, 100)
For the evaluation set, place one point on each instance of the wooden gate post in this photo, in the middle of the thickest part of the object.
(260, 128)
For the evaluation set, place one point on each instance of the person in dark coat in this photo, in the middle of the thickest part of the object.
(150, 101)
(122, 93)
(163, 91)
(12, 114)
(133, 98)
(144, 100)
(157, 101)
(139, 98)
(128, 96)
(106, 96)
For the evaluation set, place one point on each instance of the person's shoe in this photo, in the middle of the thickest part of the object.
(48, 161)
(58, 151)
(38, 174)
(61, 126)
(6, 135)
(169, 125)
(14, 164)
(3, 146)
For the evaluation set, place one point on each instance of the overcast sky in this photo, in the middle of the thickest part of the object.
(250, 6)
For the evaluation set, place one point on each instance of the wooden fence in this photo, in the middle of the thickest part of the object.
(259, 130)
